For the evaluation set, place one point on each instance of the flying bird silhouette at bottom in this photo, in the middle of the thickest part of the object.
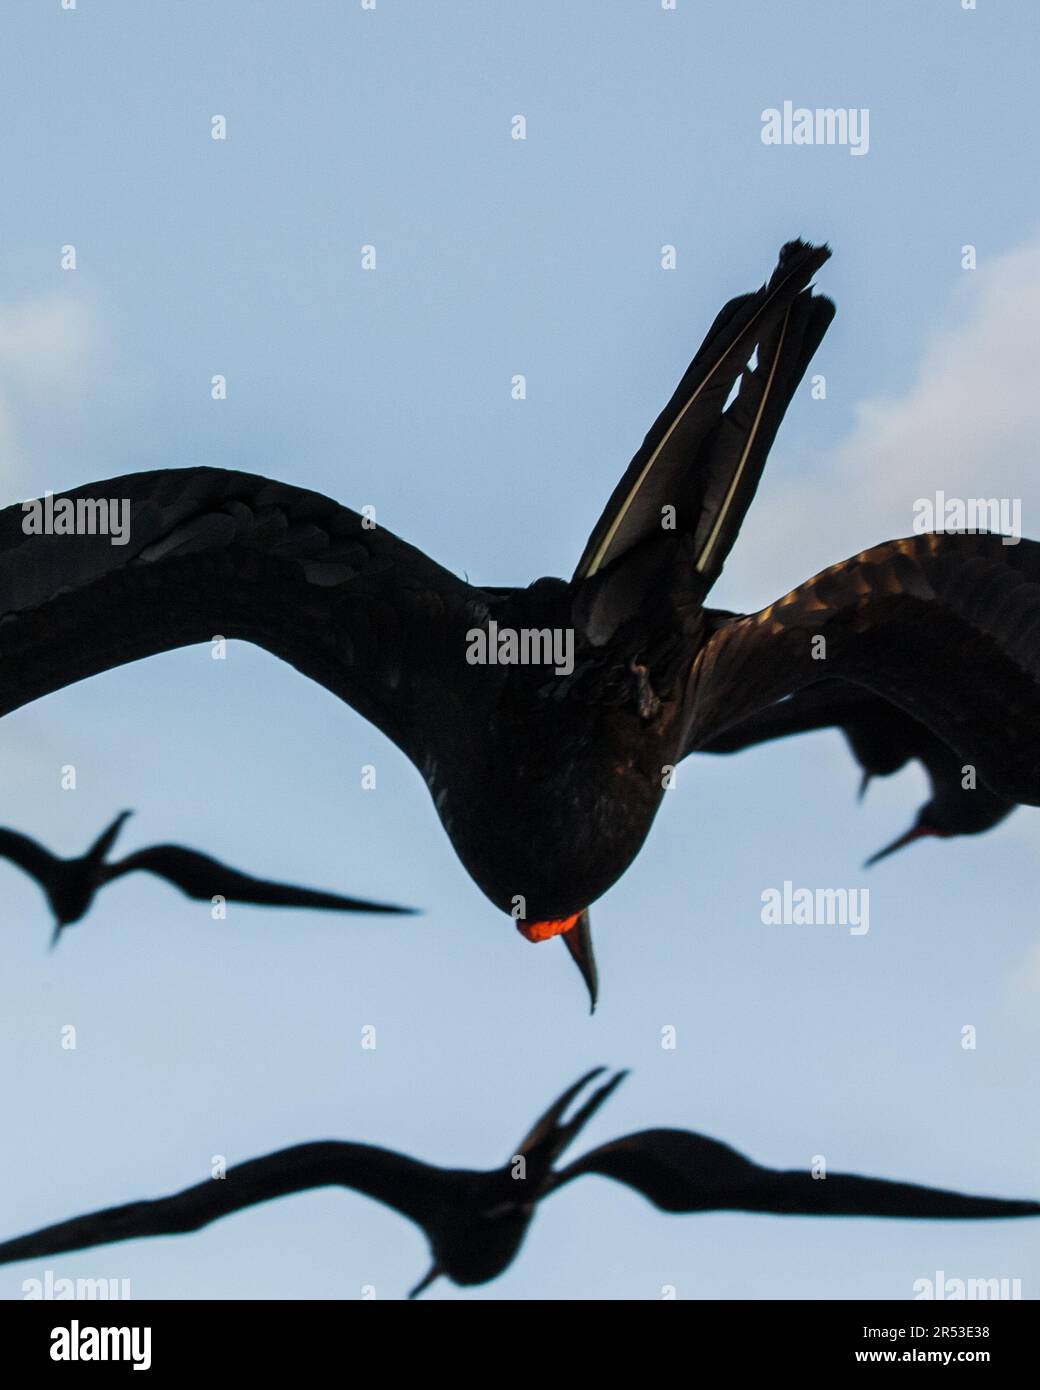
(72, 884)
(476, 1221)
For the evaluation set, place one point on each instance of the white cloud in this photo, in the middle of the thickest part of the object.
(1026, 981)
(48, 355)
(43, 341)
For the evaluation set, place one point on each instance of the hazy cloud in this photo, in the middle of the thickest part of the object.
(48, 353)
(967, 425)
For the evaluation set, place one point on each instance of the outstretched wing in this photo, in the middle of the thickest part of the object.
(679, 1171)
(199, 876)
(827, 704)
(30, 856)
(208, 551)
(700, 459)
(414, 1189)
(947, 627)
(883, 738)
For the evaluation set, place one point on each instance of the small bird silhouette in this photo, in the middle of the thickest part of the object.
(883, 739)
(476, 1221)
(546, 721)
(72, 884)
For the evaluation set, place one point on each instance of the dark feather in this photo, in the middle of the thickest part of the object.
(702, 461)
(414, 1189)
(883, 739)
(943, 626)
(217, 552)
(200, 876)
(679, 1171)
(31, 857)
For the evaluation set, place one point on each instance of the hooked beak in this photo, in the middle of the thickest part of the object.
(577, 937)
(55, 934)
(917, 832)
(578, 940)
(433, 1273)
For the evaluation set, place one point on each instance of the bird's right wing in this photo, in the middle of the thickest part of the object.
(947, 627)
(207, 552)
(30, 856)
(414, 1189)
(201, 877)
(679, 1171)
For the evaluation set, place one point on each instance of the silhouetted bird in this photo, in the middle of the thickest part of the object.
(883, 739)
(476, 1221)
(547, 765)
(71, 884)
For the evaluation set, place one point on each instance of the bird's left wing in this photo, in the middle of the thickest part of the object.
(947, 627)
(679, 1171)
(415, 1189)
(199, 876)
(125, 568)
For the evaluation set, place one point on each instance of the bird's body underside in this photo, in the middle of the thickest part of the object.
(70, 900)
(547, 775)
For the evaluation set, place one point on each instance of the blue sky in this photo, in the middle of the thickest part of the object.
(392, 387)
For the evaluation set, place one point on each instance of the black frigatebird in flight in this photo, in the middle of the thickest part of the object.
(72, 884)
(883, 739)
(476, 1221)
(547, 765)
